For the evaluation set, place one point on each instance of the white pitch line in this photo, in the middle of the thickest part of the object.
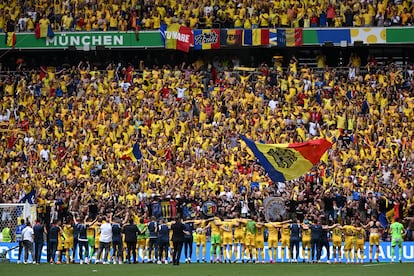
(377, 264)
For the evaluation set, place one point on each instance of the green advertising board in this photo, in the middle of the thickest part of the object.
(87, 40)
(400, 35)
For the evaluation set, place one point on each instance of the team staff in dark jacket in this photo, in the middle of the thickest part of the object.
(131, 231)
(178, 237)
(163, 241)
(39, 231)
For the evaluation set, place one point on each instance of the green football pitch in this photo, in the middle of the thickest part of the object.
(209, 269)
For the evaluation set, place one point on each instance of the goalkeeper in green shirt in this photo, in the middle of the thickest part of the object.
(397, 238)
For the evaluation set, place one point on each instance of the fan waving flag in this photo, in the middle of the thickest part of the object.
(11, 39)
(133, 154)
(285, 162)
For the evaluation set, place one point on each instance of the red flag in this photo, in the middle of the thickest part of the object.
(185, 39)
(298, 37)
(37, 31)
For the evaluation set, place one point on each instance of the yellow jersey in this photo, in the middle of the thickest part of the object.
(336, 233)
(238, 228)
(272, 230)
(200, 225)
(215, 229)
(360, 235)
(349, 231)
(306, 234)
(227, 228)
(68, 231)
(285, 233)
(260, 232)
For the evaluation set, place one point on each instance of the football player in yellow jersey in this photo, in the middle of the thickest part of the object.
(171, 242)
(359, 242)
(250, 232)
(285, 241)
(306, 240)
(221, 245)
(273, 239)
(349, 234)
(61, 249)
(227, 239)
(239, 234)
(259, 239)
(68, 232)
(90, 233)
(215, 239)
(97, 228)
(337, 243)
(200, 238)
(374, 227)
(142, 239)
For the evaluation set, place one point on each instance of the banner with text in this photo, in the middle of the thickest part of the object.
(384, 253)
(206, 39)
(177, 37)
(82, 40)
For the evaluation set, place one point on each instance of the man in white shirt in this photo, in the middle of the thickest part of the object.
(208, 8)
(44, 154)
(273, 104)
(105, 241)
(180, 92)
(28, 238)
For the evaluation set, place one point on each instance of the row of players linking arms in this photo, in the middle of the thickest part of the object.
(232, 240)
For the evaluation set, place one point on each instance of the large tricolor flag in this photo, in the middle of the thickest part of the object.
(289, 37)
(285, 162)
(256, 37)
(133, 153)
(177, 37)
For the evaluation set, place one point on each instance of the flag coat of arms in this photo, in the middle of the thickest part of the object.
(284, 162)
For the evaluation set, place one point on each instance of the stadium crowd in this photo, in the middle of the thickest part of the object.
(66, 134)
(116, 15)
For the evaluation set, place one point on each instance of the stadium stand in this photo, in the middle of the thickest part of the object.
(146, 15)
(69, 132)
